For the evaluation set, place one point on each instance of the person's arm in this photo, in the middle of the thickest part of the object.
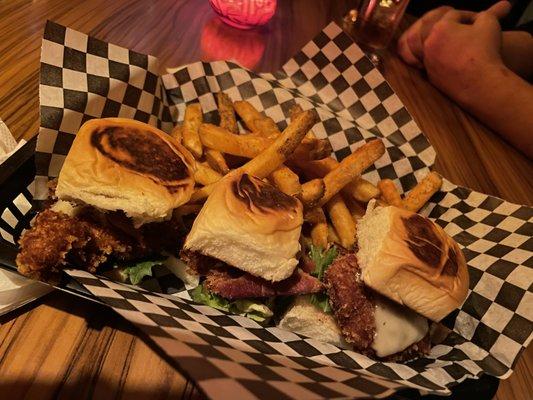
(464, 61)
(411, 42)
(503, 101)
(517, 53)
(516, 46)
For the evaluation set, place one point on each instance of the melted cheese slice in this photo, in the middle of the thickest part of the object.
(397, 328)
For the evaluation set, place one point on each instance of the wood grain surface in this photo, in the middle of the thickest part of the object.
(62, 347)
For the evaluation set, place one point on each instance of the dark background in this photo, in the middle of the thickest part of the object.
(419, 7)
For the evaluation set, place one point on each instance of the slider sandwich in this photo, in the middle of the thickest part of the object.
(114, 200)
(245, 243)
(407, 272)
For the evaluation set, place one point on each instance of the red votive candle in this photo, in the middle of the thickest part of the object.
(244, 14)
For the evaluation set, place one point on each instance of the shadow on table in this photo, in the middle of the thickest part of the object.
(91, 388)
(99, 317)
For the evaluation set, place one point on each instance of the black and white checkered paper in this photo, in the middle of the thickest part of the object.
(84, 78)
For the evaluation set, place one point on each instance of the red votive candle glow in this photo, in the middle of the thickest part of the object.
(244, 14)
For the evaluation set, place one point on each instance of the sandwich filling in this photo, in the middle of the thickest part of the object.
(65, 236)
(372, 324)
(250, 225)
(232, 283)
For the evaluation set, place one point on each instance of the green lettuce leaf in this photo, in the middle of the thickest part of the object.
(201, 295)
(322, 259)
(135, 272)
(321, 301)
(255, 310)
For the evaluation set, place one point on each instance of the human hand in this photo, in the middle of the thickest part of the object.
(411, 43)
(458, 57)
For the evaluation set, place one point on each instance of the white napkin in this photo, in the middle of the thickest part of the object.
(8, 144)
(15, 290)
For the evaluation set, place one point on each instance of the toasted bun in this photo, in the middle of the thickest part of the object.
(305, 319)
(412, 261)
(250, 225)
(123, 164)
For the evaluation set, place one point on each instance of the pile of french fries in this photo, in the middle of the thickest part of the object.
(298, 163)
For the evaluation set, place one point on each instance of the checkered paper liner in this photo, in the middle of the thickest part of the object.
(84, 78)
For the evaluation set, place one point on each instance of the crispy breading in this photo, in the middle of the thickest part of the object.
(86, 241)
(354, 306)
(44, 248)
(352, 303)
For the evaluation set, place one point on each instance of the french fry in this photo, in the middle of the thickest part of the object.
(217, 138)
(227, 113)
(286, 181)
(267, 127)
(421, 193)
(319, 226)
(351, 167)
(282, 148)
(312, 192)
(255, 121)
(389, 193)
(313, 149)
(356, 209)
(204, 175)
(250, 145)
(201, 194)
(191, 123)
(332, 235)
(294, 112)
(360, 189)
(177, 133)
(273, 156)
(188, 209)
(248, 113)
(216, 160)
(342, 221)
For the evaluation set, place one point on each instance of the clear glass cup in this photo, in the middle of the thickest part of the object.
(376, 22)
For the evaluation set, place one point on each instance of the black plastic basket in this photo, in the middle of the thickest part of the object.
(16, 174)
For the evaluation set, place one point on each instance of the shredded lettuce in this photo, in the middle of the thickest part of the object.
(180, 269)
(136, 271)
(322, 259)
(321, 301)
(257, 311)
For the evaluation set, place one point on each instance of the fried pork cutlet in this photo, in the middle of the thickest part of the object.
(354, 307)
(352, 303)
(57, 240)
(44, 248)
(87, 240)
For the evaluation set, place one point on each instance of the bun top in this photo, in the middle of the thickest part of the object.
(250, 225)
(123, 164)
(411, 260)
(262, 206)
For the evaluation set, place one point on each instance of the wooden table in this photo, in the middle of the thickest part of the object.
(62, 347)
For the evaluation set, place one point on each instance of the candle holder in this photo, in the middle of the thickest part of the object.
(244, 14)
(221, 42)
